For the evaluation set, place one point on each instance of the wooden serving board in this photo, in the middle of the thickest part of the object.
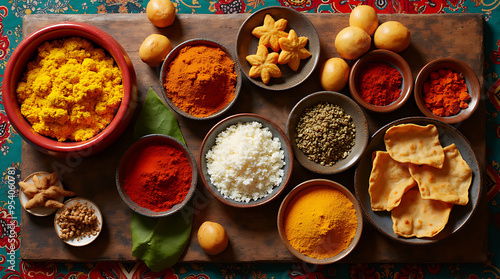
(253, 233)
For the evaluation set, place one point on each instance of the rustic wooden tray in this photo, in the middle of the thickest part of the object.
(252, 232)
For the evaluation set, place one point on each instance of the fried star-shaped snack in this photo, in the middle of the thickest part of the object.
(270, 33)
(264, 64)
(293, 50)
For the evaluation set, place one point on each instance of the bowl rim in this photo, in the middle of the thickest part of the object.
(392, 58)
(285, 144)
(470, 78)
(314, 56)
(193, 42)
(319, 182)
(101, 39)
(143, 141)
(330, 169)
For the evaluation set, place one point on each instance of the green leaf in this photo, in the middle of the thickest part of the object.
(159, 242)
(156, 118)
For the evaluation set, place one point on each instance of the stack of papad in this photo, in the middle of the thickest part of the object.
(415, 157)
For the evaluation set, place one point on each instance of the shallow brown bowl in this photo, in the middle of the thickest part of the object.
(306, 185)
(209, 141)
(144, 141)
(391, 58)
(173, 54)
(27, 50)
(456, 66)
(246, 44)
(351, 108)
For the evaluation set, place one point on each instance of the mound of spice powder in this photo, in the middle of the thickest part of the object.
(201, 80)
(445, 93)
(380, 83)
(320, 222)
(157, 176)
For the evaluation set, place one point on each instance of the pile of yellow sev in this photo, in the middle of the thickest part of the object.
(320, 222)
(71, 90)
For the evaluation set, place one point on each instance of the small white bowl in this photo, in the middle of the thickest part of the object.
(84, 240)
(38, 211)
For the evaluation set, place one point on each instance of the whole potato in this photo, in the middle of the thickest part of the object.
(352, 42)
(334, 74)
(161, 12)
(212, 237)
(154, 49)
(392, 35)
(364, 17)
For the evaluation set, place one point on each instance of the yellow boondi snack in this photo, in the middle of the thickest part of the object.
(389, 180)
(418, 217)
(71, 91)
(450, 183)
(411, 143)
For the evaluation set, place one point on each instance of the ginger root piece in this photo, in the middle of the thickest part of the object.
(55, 192)
(28, 189)
(44, 192)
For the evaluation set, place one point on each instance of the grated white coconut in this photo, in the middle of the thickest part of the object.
(246, 162)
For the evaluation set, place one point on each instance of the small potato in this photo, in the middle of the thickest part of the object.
(161, 12)
(364, 17)
(352, 42)
(212, 237)
(155, 49)
(392, 35)
(334, 74)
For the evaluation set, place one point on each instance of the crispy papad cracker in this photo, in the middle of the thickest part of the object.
(411, 143)
(450, 183)
(389, 180)
(418, 217)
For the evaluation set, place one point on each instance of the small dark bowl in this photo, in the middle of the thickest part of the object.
(144, 141)
(391, 58)
(456, 66)
(306, 185)
(27, 50)
(350, 107)
(209, 141)
(246, 44)
(173, 54)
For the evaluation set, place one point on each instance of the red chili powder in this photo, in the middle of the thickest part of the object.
(157, 177)
(380, 84)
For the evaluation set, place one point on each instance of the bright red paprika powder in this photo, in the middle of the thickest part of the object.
(380, 84)
(157, 176)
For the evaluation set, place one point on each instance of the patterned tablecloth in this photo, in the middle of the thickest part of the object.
(11, 265)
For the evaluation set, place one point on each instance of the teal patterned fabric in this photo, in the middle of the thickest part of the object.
(11, 266)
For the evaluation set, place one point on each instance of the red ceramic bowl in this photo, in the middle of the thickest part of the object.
(25, 52)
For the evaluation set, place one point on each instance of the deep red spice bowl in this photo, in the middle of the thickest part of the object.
(27, 50)
(144, 142)
(473, 88)
(394, 60)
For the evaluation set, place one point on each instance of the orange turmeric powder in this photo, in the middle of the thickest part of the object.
(320, 222)
(445, 93)
(201, 80)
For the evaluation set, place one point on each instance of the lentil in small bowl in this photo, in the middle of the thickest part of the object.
(461, 90)
(381, 81)
(245, 160)
(328, 132)
(200, 79)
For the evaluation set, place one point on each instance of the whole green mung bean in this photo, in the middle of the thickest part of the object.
(325, 133)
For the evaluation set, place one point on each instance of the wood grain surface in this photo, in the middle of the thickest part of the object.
(252, 232)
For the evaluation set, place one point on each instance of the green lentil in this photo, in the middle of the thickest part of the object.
(325, 133)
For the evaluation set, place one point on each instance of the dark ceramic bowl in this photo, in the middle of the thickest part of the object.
(459, 215)
(351, 108)
(455, 65)
(307, 185)
(173, 54)
(27, 50)
(246, 44)
(209, 142)
(391, 58)
(145, 141)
